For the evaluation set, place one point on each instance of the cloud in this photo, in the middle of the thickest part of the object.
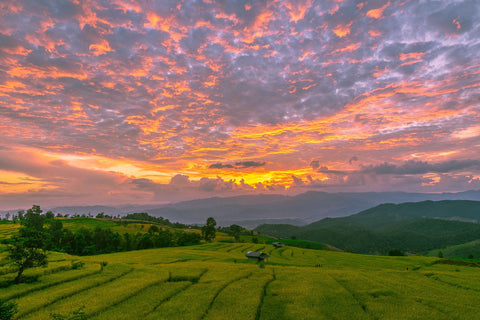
(249, 164)
(353, 159)
(180, 180)
(177, 84)
(221, 166)
(238, 165)
(422, 167)
(325, 169)
(297, 181)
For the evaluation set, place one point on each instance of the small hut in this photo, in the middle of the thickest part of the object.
(259, 256)
(278, 244)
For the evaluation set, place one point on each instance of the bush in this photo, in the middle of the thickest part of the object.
(396, 252)
(7, 310)
(77, 265)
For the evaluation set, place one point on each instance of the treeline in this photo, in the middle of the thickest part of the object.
(51, 235)
(99, 240)
(143, 216)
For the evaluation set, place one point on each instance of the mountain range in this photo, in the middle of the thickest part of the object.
(253, 210)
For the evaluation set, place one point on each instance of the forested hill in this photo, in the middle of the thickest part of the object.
(414, 227)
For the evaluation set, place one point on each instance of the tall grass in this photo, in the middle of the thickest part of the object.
(49, 280)
(143, 303)
(41, 300)
(104, 295)
(240, 299)
(216, 281)
(194, 302)
(307, 293)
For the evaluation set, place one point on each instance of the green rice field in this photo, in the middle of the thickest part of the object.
(216, 281)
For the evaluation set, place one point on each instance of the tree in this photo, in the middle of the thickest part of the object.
(20, 215)
(153, 229)
(396, 252)
(56, 234)
(49, 215)
(235, 229)
(208, 230)
(28, 248)
(7, 310)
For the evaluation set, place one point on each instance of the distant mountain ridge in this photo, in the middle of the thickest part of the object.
(304, 208)
(252, 210)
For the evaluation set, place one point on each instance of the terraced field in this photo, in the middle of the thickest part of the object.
(216, 281)
(8, 229)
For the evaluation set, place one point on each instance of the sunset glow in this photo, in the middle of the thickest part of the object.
(121, 101)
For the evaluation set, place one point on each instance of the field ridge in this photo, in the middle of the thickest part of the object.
(70, 294)
(264, 293)
(221, 289)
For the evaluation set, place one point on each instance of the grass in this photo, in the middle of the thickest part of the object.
(143, 303)
(216, 281)
(239, 299)
(49, 280)
(201, 295)
(42, 300)
(8, 229)
(313, 295)
(105, 295)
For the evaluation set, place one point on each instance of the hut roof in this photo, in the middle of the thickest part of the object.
(256, 255)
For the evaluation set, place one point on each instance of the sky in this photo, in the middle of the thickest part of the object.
(122, 101)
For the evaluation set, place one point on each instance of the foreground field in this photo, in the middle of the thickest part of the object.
(216, 281)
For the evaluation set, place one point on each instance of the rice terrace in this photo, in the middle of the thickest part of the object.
(216, 281)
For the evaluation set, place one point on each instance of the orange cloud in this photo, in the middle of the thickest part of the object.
(412, 55)
(342, 30)
(457, 23)
(377, 13)
(350, 48)
(100, 48)
(297, 10)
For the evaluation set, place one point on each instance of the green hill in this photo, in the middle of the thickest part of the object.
(469, 250)
(385, 215)
(413, 227)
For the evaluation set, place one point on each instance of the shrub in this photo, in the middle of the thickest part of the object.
(7, 310)
(77, 265)
(396, 252)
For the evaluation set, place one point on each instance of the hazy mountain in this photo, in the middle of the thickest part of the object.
(252, 210)
(303, 208)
